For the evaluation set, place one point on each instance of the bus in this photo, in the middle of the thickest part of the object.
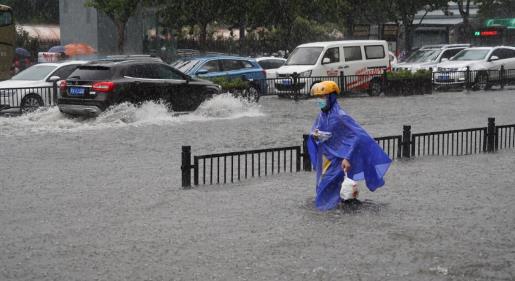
(496, 32)
(7, 41)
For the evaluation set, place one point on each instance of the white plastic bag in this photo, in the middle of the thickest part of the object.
(349, 189)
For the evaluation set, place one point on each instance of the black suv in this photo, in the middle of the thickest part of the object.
(95, 86)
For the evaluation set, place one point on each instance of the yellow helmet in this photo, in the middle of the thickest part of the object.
(325, 88)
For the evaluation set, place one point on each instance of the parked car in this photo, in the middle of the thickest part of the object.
(29, 89)
(427, 57)
(230, 67)
(95, 86)
(270, 65)
(313, 61)
(484, 64)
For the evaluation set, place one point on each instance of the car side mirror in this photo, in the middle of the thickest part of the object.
(202, 71)
(326, 60)
(493, 58)
(444, 59)
(54, 78)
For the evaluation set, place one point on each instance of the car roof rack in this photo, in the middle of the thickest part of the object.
(131, 57)
(445, 46)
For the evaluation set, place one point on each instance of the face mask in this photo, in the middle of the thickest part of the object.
(322, 103)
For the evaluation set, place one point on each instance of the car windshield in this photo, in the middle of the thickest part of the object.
(35, 72)
(425, 55)
(471, 55)
(186, 66)
(91, 73)
(304, 56)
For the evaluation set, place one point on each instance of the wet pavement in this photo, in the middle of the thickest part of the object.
(101, 199)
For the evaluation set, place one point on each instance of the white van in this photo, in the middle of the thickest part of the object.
(361, 61)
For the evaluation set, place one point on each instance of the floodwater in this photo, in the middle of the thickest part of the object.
(100, 199)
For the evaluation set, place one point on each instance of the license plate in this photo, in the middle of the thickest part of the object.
(75, 91)
(286, 82)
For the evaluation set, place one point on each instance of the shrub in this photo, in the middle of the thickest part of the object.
(230, 85)
(422, 73)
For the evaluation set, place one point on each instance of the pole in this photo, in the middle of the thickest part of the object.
(467, 78)
(406, 141)
(305, 154)
(491, 134)
(186, 167)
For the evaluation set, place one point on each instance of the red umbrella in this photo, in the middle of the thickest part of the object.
(78, 49)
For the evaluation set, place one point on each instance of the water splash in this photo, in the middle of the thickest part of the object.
(221, 107)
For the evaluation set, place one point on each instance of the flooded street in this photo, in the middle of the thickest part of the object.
(100, 199)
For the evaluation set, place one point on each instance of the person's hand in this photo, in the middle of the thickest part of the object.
(316, 134)
(346, 165)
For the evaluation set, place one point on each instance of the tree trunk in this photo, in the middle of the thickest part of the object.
(465, 37)
(120, 26)
(408, 44)
(349, 21)
(203, 37)
(242, 39)
(408, 28)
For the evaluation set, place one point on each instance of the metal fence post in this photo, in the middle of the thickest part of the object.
(306, 162)
(406, 141)
(186, 166)
(195, 170)
(467, 78)
(430, 86)
(297, 158)
(501, 74)
(342, 81)
(295, 78)
(54, 94)
(491, 133)
(385, 82)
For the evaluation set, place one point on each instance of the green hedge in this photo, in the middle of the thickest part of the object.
(231, 84)
(406, 74)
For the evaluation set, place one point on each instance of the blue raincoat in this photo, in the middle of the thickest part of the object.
(348, 140)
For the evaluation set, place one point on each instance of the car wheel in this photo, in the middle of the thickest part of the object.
(251, 94)
(374, 88)
(482, 82)
(30, 103)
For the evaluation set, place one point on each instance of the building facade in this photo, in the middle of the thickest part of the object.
(80, 24)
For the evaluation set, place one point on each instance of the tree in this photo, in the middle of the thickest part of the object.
(119, 11)
(496, 9)
(244, 15)
(192, 13)
(405, 11)
(464, 8)
(34, 11)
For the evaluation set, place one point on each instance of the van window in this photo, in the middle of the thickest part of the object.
(374, 52)
(333, 54)
(304, 56)
(352, 53)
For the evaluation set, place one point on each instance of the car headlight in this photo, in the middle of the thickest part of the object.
(305, 74)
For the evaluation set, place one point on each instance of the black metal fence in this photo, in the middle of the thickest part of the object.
(472, 79)
(28, 97)
(377, 81)
(454, 142)
(228, 167)
(296, 86)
